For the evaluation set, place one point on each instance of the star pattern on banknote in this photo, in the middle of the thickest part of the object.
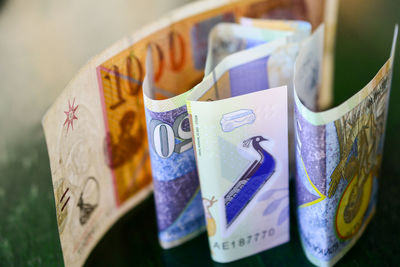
(69, 121)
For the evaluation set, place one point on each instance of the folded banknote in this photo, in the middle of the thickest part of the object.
(109, 146)
(338, 158)
(241, 142)
(176, 185)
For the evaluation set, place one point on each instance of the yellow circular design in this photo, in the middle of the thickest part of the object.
(353, 205)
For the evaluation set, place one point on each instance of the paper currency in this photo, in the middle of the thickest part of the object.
(96, 129)
(338, 156)
(176, 185)
(228, 38)
(308, 69)
(240, 133)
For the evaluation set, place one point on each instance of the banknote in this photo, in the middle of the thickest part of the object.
(176, 185)
(96, 129)
(228, 38)
(241, 140)
(338, 157)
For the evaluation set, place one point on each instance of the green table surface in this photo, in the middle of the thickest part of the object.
(28, 227)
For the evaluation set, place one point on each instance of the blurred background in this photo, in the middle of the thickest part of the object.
(44, 43)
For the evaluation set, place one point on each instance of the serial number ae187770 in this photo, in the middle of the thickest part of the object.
(244, 241)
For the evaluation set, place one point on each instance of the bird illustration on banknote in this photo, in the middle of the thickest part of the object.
(255, 176)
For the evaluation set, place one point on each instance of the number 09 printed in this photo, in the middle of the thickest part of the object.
(163, 136)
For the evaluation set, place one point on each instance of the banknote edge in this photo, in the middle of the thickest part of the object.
(314, 260)
(324, 117)
(232, 61)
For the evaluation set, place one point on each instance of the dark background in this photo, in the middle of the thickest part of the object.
(28, 227)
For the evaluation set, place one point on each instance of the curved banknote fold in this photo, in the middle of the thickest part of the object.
(241, 139)
(176, 184)
(96, 129)
(228, 38)
(338, 157)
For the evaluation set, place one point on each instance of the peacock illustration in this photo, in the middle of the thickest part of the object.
(246, 186)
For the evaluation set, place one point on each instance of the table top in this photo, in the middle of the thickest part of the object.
(28, 227)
